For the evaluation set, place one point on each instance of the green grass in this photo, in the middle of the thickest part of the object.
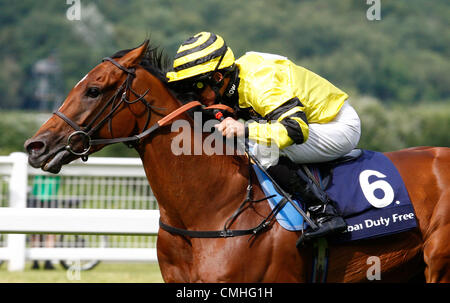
(103, 273)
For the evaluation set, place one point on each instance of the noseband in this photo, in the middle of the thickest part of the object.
(86, 132)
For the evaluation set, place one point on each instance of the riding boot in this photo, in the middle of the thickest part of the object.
(329, 222)
(293, 180)
(321, 209)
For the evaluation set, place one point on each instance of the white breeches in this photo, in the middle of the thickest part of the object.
(326, 142)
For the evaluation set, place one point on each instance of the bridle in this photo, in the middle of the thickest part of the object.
(87, 131)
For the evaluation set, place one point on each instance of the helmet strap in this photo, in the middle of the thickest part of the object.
(220, 60)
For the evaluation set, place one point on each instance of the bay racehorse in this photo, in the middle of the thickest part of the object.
(126, 94)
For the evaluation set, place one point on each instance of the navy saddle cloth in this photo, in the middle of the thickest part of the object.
(369, 192)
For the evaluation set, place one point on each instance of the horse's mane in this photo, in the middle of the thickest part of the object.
(154, 60)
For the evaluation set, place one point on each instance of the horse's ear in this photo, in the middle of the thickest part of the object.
(134, 56)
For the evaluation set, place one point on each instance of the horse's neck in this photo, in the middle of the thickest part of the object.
(190, 188)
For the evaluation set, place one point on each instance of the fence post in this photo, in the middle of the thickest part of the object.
(18, 199)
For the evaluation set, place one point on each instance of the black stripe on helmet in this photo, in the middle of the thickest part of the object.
(212, 38)
(217, 53)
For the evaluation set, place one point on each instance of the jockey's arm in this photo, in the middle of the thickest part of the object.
(285, 125)
(267, 89)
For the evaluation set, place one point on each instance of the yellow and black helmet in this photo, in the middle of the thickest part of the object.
(200, 54)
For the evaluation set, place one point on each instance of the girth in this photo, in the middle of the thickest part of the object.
(226, 232)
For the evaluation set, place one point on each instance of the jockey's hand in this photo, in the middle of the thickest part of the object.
(231, 128)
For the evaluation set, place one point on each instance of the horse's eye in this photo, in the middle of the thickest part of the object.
(93, 92)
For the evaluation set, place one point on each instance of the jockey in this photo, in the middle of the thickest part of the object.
(306, 117)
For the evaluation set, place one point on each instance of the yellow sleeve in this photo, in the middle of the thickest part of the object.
(266, 86)
(285, 126)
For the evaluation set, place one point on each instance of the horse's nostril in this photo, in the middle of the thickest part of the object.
(35, 147)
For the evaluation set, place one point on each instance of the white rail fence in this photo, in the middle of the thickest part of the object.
(104, 196)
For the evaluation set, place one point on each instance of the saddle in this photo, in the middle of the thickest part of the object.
(321, 174)
(326, 168)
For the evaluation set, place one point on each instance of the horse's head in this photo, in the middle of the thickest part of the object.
(104, 104)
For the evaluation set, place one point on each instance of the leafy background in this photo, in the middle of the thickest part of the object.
(395, 69)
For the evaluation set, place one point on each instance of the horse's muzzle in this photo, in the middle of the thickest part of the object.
(39, 155)
(37, 151)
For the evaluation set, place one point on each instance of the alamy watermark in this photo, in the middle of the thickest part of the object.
(74, 271)
(374, 270)
(190, 141)
(374, 11)
(73, 13)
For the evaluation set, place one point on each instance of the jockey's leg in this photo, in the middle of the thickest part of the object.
(326, 142)
(320, 206)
